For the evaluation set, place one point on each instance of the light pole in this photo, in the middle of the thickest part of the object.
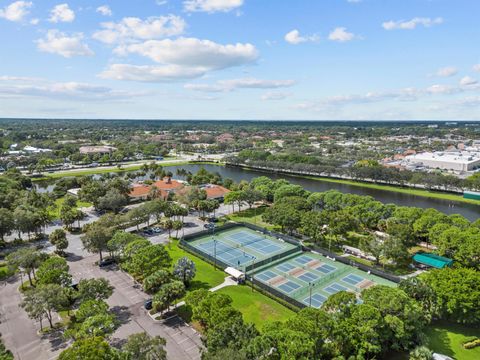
(310, 298)
(253, 271)
(215, 253)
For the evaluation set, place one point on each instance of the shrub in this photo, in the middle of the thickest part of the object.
(472, 344)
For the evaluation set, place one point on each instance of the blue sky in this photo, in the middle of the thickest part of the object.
(241, 59)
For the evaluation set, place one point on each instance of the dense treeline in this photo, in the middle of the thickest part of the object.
(335, 166)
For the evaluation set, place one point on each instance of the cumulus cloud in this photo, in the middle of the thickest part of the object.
(132, 28)
(57, 42)
(467, 80)
(294, 37)
(61, 13)
(211, 6)
(447, 71)
(16, 11)
(341, 34)
(182, 58)
(411, 24)
(245, 83)
(476, 68)
(104, 10)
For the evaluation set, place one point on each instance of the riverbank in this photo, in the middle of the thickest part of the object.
(98, 171)
(432, 194)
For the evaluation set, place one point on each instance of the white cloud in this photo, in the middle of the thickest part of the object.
(467, 80)
(447, 71)
(341, 34)
(354, 1)
(211, 6)
(57, 42)
(181, 58)
(275, 95)
(245, 83)
(61, 13)
(16, 11)
(13, 86)
(476, 68)
(147, 73)
(161, 2)
(294, 37)
(441, 89)
(35, 21)
(411, 24)
(104, 10)
(132, 28)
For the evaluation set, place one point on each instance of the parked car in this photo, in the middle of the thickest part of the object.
(157, 230)
(209, 226)
(106, 262)
(148, 304)
(213, 219)
(148, 232)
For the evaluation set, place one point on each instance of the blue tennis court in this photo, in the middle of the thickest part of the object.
(334, 288)
(303, 259)
(308, 277)
(285, 267)
(226, 253)
(317, 300)
(352, 279)
(326, 269)
(255, 241)
(289, 287)
(266, 276)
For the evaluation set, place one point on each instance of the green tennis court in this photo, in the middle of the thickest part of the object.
(311, 278)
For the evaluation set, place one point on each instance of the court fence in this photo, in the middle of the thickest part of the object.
(204, 256)
(276, 294)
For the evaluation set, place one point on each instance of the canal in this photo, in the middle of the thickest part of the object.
(470, 211)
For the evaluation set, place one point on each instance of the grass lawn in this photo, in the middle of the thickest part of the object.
(252, 216)
(124, 168)
(206, 277)
(55, 210)
(256, 307)
(5, 272)
(447, 339)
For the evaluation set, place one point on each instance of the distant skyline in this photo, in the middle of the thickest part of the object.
(241, 59)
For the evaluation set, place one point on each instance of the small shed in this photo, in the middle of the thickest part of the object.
(432, 260)
(235, 274)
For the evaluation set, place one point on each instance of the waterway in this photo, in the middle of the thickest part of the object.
(470, 211)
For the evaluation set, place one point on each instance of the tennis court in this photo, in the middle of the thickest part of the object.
(241, 246)
(311, 278)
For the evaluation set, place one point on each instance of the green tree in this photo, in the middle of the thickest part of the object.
(27, 260)
(43, 301)
(54, 270)
(142, 346)
(113, 200)
(92, 348)
(184, 270)
(167, 294)
(421, 353)
(96, 236)
(147, 260)
(94, 289)
(7, 222)
(97, 325)
(58, 238)
(457, 293)
(153, 282)
(90, 308)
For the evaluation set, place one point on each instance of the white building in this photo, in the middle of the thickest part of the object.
(456, 161)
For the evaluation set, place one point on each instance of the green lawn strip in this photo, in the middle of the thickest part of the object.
(256, 307)
(404, 190)
(54, 211)
(252, 216)
(94, 171)
(448, 339)
(206, 277)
